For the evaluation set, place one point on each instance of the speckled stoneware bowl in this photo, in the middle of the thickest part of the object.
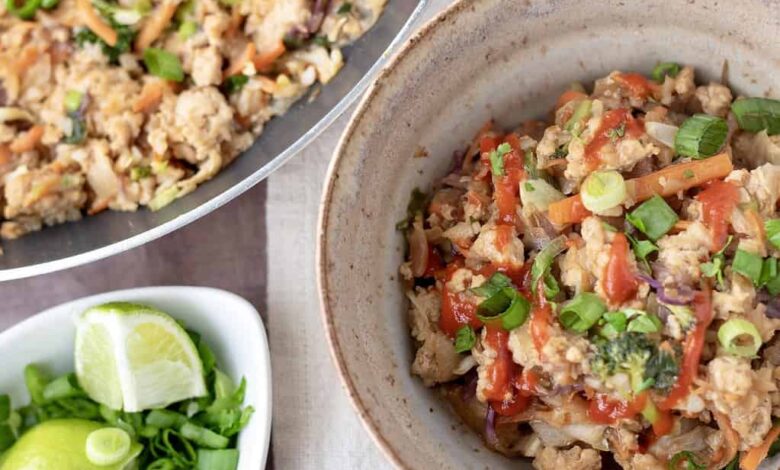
(504, 58)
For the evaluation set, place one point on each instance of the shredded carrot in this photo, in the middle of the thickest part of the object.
(241, 61)
(681, 226)
(95, 23)
(5, 154)
(28, 140)
(266, 59)
(665, 182)
(569, 95)
(150, 97)
(27, 57)
(159, 19)
(751, 459)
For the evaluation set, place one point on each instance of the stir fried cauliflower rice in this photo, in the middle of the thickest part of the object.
(116, 104)
(604, 286)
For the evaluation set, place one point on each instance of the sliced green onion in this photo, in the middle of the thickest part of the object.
(36, 381)
(223, 385)
(140, 172)
(163, 198)
(165, 419)
(749, 265)
(603, 190)
(691, 461)
(768, 271)
(73, 100)
(544, 259)
(529, 164)
(49, 4)
(614, 323)
(506, 305)
(772, 227)
(7, 437)
(203, 437)
(224, 459)
(5, 408)
(465, 339)
(163, 64)
(642, 249)
(66, 386)
(496, 282)
(772, 282)
(701, 136)
(497, 158)
(582, 111)
(107, 446)
(538, 194)
(757, 114)
(26, 11)
(663, 69)
(551, 287)
(739, 337)
(582, 312)
(187, 29)
(345, 8)
(653, 217)
(646, 323)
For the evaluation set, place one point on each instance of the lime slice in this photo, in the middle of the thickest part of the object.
(135, 358)
(107, 446)
(62, 444)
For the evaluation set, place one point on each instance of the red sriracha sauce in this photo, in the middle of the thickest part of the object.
(619, 281)
(611, 124)
(718, 201)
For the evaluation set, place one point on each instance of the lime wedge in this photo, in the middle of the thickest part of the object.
(135, 358)
(61, 444)
(107, 446)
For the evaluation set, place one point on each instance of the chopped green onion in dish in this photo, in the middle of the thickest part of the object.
(581, 112)
(642, 249)
(701, 136)
(740, 338)
(757, 114)
(687, 458)
(187, 29)
(603, 190)
(223, 459)
(493, 285)
(612, 324)
(714, 267)
(772, 227)
(749, 265)
(497, 158)
(163, 198)
(770, 276)
(551, 287)
(24, 11)
(646, 323)
(163, 64)
(73, 100)
(465, 339)
(235, 83)
(544, 259)
(506, 306)
(653, 217)
(107, 446)
(582, 312)
(663, 69)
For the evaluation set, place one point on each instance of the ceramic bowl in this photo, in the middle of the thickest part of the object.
(507, 59)
(230, 325)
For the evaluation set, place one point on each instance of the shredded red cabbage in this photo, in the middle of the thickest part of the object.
(490, 427)
(684, 294)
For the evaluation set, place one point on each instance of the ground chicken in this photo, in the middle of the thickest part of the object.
(574, 458)
(485, 249)
(207, 66)
(680, 255)
(436, 358)
(715, 99)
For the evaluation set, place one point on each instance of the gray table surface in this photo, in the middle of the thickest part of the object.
(260, 246)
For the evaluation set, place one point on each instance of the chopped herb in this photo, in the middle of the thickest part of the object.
(618, 132)
(663, 69)
(73, 100)
(322, 41)
(749, 265)
(345, 8)
(497, 158)
(234, 83)
(561, 152)
(612, 324)
(688, 174)
(646, 323)
(140, 172)
(465, 339)
(582, 312)
(124, 41)
(506, 306)
(26, 11)
(187, 29)
(292, 41)
(529, 187)
(642, 249)
(714, 267)
(772, 227)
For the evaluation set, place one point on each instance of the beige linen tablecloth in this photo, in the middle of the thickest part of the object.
(260, 246)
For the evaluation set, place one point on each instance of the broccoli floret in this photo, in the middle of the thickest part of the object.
(635, 355)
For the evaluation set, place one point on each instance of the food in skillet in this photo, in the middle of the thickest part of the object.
(605, 286)
(117, 104)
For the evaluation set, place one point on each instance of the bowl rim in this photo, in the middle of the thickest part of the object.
(237, 189)
(262, 361)
(323, 230)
